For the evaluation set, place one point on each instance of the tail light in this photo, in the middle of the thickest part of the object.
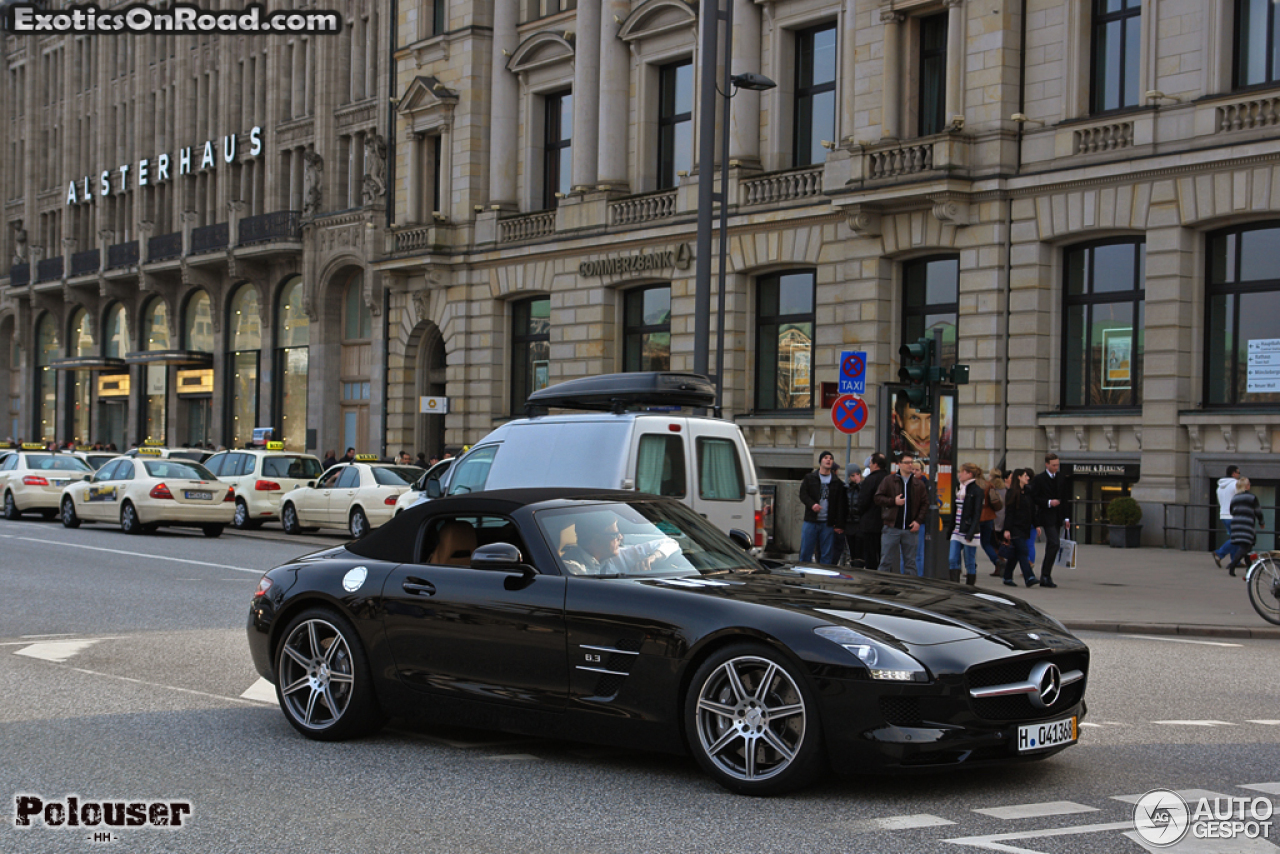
(161, 491)
(34, 480)
(390, 500)
(231, 495)
(267, 486)
(759, 529)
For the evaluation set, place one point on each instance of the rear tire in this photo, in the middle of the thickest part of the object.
(323, 679)
(1264, 590)
(11, 511)
(69, 517)
(212, 530)
(289, 520)
(242, 520)
(129, 521)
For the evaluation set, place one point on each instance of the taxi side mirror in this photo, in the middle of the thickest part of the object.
(433, 488)
(87, 478)
(311, 484)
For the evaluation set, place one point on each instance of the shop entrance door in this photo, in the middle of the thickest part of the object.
(112, 415)
(1090, 497)
(199, 413)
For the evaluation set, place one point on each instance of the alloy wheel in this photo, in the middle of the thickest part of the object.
(750, 718)
(317, 674)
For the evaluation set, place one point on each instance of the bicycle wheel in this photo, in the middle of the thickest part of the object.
(1264, 589)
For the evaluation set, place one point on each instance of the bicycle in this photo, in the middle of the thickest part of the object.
(1263, 581)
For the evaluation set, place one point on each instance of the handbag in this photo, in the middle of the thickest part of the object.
(1068, 552)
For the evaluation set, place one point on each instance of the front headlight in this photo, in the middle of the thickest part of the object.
(881, 660)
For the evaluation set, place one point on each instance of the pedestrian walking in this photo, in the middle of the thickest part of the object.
(330, 460)
(1019, 526)
(823, 497)
(853, 521)
(965, 524)
(1246, 518)
(993, 490)
(870, 522)
(903, 502)
(1050, 497)
(1226, 491)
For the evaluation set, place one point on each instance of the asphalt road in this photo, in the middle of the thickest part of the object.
(124, 671)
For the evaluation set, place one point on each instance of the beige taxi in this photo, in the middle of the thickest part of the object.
(262, 479)
(32, 479)
(358, 496)
(146, 492)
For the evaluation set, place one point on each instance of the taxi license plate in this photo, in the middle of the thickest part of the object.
(202, 496)
(58, 482)
(1043, 736)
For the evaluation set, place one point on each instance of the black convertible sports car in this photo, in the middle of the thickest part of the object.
(626, 619)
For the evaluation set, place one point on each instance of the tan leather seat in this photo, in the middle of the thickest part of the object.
(457, 542)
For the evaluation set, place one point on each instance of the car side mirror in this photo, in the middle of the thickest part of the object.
(502, 557)
(741, 539)
(433, 488)
(311, 484)
(87, 478)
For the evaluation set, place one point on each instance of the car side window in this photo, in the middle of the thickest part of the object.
(107, 472)
(472, 472)
(215, 464)
(719, 471)
(450, 540)
(350, 478)
(10, 463)
(330, 478)
(124, 470)
(660, 465)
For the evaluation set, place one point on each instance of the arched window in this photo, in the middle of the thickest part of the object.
(116, 341)
(197, 327)
(46, 379)
(293, 333)
(113, 389)
(245, 327)
(80, 383)
(155, 338)
(357, 356)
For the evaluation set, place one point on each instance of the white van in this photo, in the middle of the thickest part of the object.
(703, 462)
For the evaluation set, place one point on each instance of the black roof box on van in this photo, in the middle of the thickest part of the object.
(616, 392)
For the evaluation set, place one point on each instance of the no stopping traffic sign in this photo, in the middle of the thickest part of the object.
(849, 414)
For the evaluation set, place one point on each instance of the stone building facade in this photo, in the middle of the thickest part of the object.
(1083, 195)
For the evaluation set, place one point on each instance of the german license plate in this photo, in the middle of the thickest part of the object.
(1043, 736)
(58, 482)
(199, 496)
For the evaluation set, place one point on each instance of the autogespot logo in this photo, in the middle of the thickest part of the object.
(1162, 818)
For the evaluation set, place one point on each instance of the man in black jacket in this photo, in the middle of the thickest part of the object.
(825, 508)
(1050, 499)
(852, 522)
(869, 522)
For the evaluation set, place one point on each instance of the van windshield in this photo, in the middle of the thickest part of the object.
(633, 539)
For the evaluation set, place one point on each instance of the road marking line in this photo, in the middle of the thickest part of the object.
(1265, 723)
(1099, 726)
(1210, 723)
(1265, 788)
(42, 637)
(893, 822)
(262, 691)
(159, 685)
(515, 757)
(58, 651)
(132, 554)
(994, 842)
(1182, 640)
(1044, 810)
(1188, 795)
(1191, 845)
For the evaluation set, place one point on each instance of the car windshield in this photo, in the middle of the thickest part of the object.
(178, 469)
(396, 475)
(304, 468)
(639, 539)
(49, 462)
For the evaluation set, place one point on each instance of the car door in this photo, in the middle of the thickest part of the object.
(343, 495)
(102, 499)
(477, 634)
(312, 503)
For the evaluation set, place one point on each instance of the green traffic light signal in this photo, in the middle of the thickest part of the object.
(917, 371)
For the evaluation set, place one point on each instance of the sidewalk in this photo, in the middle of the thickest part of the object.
(1144, 591)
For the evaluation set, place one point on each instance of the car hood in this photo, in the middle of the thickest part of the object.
(915, 611)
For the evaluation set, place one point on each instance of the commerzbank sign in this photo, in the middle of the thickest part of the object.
(157, 170)
(615, 265)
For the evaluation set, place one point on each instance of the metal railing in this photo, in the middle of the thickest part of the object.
(83, 263)
(123, 255)
(210, 238)
(264, 228)
(162, 247)
(48, 269)
(1209, 513)
(19, 275)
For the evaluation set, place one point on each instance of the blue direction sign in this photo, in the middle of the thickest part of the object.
(853, 372)
(849, 414)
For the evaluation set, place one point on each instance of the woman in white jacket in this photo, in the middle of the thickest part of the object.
(1226, 491)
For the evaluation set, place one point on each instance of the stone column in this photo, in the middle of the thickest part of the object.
(413, 176)
(955, 59)
(586, 94)
(504, 119)
(615, 101)
(848, 69)
(891, 109)
(744, 115)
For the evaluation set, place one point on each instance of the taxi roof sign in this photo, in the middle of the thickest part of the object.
(366, 458)
(152, 443)
(275, 446)
(32, 446)
(4, 446)
(150, 452)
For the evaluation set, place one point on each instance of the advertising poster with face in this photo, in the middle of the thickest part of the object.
(909, 429)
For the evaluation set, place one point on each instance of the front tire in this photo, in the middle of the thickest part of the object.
(212, 530)
(69, 517)
(752, 721)
(11, 511)
(129, 521)
(1264, 590)
(323, 680)
(358, 524)
(289, 520)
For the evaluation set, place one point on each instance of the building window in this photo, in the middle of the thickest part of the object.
(535, 9)
(784, 342)
(292, 361)
(557, 148)
(80, 383)
(933, 75)
(815, 115)
(647, 329)
(675, 123)
(198, 328)
(46, 380)
(1117, 31)
(1256, 43)
(1242, 349)
(932, 301)
(1103, 324)
(155, 338)
(530, 349)
(245, 348)
(356, 365)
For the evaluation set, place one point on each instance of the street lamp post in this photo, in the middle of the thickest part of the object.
(707, 197)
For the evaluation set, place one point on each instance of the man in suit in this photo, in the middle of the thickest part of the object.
(1050, 498)
(871, 525)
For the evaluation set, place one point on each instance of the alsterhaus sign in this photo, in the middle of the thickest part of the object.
(619, 265)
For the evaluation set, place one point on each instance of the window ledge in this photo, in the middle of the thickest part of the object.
(774, 419)
(1126, 416)
(1230, 415)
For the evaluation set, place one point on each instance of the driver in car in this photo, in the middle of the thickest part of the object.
(599, 549)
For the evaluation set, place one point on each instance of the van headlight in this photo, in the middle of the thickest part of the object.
(881, 660)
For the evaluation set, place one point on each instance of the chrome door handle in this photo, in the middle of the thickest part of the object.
(419, 587)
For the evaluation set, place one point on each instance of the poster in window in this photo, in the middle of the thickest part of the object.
(1264, 366)
(1117, 351)
(541, 374)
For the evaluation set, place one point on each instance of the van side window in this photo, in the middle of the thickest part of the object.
(660, 465)
(472, 472)
(719, 471)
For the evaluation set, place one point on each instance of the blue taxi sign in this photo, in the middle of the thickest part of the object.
(853, 372)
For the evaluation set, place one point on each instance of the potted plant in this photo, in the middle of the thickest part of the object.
(1124, 521)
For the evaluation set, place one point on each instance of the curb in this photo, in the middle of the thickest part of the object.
(1175, 629)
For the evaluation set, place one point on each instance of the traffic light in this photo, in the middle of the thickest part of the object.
(917, 371)
(958, 375)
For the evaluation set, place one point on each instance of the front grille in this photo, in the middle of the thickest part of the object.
(1019, 706)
